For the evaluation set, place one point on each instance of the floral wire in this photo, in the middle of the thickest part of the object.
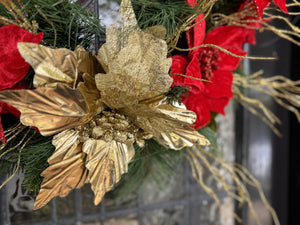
(225, 51)
(183, 75)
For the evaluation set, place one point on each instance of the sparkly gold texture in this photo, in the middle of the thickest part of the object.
(136, 65)
(101, 112)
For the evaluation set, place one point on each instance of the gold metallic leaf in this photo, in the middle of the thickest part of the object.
(87, 63)
(106, 162)
(91, 95)
(51, 66)
(169, 125)
(62, 65)
(180, 138)
(51, 110)
(66, 171)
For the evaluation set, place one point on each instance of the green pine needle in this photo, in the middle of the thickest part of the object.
(151, 162)
(168, 13)
(34, 158)
(175, 93)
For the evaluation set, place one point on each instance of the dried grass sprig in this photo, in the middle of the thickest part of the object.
(225, 51)
(284, 91)
(234, 180)
(18, 15)
(203, 7)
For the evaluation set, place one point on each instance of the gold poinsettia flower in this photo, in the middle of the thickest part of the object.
(98, 106)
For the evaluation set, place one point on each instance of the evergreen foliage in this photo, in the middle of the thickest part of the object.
(175, 93)
(33, 157)
(73, 24)
(168, 13)
(151, 162)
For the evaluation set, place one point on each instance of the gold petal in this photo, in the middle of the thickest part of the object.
(51, 66)
(106, 162)
(51, 110)
(66, 171)
(169, 125)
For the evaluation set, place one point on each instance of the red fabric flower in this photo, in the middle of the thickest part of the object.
(262, 4)
(210, 64)
(13, 67)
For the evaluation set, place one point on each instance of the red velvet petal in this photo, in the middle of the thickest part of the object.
(232, 39)
(220, 85)
(281, 4)
(195, 35)
(193, 70)
(179, 64)
(262, 4)
(228, 62)
(229, 36)
(197, 103)
(13, 67)
(218, 105)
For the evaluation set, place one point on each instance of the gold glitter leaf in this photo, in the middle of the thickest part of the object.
(106, 162)
(51, 110)
(138, 71)
(135, 62)
(66, 171)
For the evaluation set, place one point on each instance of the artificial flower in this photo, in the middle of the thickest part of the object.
(100, 111)
(210, 64)
(262, 4)
(13, 67)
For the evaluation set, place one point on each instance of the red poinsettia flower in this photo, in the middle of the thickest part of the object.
(13, 67)
(210, 64)
(262, 4)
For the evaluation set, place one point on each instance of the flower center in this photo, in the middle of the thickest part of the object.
(208, 58)
(111, 125)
